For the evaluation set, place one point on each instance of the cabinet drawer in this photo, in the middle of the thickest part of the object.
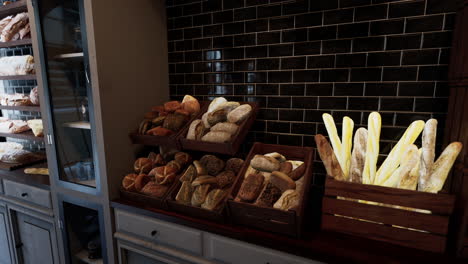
(228, 250)
(1, 187)
(27, 193)
(160, 232)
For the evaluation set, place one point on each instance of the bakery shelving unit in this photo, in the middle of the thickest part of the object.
(88, 92)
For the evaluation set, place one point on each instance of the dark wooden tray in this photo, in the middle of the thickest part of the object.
(266, 218)
(14, 166)
(170, 141)
(229, 148)
(385, 222)
(146, 199)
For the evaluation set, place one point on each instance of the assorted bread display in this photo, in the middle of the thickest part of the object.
(153, 175)
(19, 99)
(406, 166)
(15, 27)
(20, 126)
(206, 182)
(220, 122)
(11, 152)
(273, 181)
(16, 65)
(167, 119)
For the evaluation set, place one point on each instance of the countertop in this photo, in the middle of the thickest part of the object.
(18, 175)
(323, 246)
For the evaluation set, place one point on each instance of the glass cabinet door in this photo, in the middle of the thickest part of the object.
(68, 87)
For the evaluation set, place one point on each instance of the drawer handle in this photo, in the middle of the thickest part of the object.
(20, 244)
(24, 194)
(154, 232)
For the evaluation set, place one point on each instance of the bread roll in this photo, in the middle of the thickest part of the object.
(164, 174)
(205, 120)
(251, 187)
(196, 130)
(142, 165)
(201, 170)
(159, 131)
(171, 106)
(213, 164)
(225, 127)
(183, 158)
(217, 137)
(282, 181)
(154, 189)
(239, 114)
(189, 175)
(214, 199)
(174, 122)
(140, 181)
(298, 172)
(199, 194)
(328, 158)
(190, 104)
(265, 163)
(285, 167)
(219, 115)
(128, 182)
(228, 106)
(184, 196)
(428, 152)
(277, 156)
(204, 179)
(174, 164)
(269, 195)
(225, 179)
(234, 165)
(216, 103)
(288, 200)
(358, 157)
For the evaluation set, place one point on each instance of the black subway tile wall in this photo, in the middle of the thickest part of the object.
(299, 59)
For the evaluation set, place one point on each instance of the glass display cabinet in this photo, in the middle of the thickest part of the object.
(64, 60)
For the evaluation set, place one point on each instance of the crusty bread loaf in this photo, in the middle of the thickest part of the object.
(217, 137)
(282, 181)
(251, 187)
(214, 199)
(265, 163)
(216, 103)
(199, 194)
(358, 157)
(184, 196)
(288, 200)
(239, 114)
(328, 158)
(196, 130)
(227, 127)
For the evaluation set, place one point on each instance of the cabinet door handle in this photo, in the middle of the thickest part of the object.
(20, 244)
(154, 232)
(24, 194)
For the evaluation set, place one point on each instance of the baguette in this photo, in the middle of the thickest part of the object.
(347, 142)
(409, 181)
(442, 166)
(328, 157)
(395, 178)
(393, 160)
(372, 148)
(428, 152)
(333, 135)
(358, 156)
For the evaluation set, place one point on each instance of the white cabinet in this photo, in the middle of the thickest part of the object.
(5, 238)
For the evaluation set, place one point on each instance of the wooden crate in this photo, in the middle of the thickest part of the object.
(229, 148)
(266, 218)
(386, 222)
(169, 141)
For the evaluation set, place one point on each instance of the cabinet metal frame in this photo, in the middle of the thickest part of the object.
(123, 246)
(83, 203)
(4, 211)
(55, 172)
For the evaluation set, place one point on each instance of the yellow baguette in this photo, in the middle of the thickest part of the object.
(442, 166)
(395, 178)
(333, 135)
(346, 144)
(409, 181)
(374, 123)
(428, 152)
(393, 159)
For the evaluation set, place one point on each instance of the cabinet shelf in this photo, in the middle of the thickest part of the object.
(83, 256)
(28, 135)
(19, 77)
(69, 55)
(21, 108)
(13, 8)
(15, 43)
(78, 124)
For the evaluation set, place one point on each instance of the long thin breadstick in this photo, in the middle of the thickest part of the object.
(428, 152)
(407, 180)
(333, 135)
(346, 144)
(393, 160)
(358, 157)
(442, 166)
(332, 166)
(372, 148)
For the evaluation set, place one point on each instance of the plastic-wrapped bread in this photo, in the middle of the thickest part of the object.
(358, 157)
(332, 166)
(333, 135)
(16, 65)
(23, 32)
(346, 144)
(393, 159)
(372, 148)
(428, 152)
(4, 22)
(409, 180)
(13, 28)
(442, 166)
(34, 96)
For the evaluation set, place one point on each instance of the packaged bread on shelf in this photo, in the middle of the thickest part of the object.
(16, 99)
(14, 126)
(34, 96)
(4, 22)
(16, 65)
(36, 127)
(20, 156)
(14, 26)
